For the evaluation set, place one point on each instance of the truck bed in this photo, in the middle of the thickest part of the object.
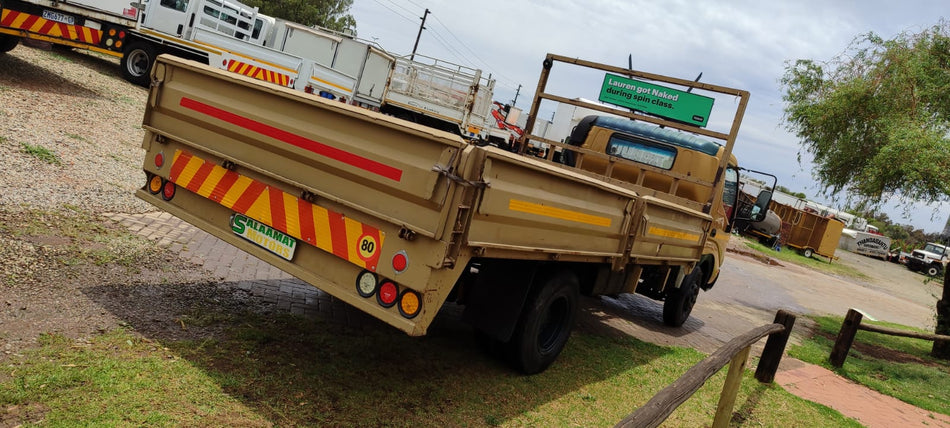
(350, 190)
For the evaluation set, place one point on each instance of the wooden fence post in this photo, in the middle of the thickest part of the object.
(727, 399)
(774, 348)
(845, 338)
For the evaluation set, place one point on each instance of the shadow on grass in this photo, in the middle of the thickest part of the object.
(333, 365)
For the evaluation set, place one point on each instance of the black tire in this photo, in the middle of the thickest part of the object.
(545, 323)
(136, 63)
(680, 301)
(808, 252)
(933, 270)
(8, 42)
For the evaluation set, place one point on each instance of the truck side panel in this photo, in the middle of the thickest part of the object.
(539, 210)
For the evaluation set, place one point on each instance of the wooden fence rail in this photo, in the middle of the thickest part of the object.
(850, 327)
(736, 352)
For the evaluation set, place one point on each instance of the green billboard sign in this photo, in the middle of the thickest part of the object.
(665, 102)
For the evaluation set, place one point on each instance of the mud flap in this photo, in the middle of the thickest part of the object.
(496, 298)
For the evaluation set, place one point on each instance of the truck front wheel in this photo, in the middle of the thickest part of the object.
(8, 42)
(933, 270)
(680, 301)
(545, 324)
(137, 63)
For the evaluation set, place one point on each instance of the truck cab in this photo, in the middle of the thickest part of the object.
(931, 259)
(653, 160)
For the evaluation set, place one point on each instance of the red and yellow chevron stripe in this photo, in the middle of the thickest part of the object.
(258, 73)
(36, 24)
(330, 231)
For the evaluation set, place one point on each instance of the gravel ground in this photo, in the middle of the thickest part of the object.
(75, 106)
(70, 150)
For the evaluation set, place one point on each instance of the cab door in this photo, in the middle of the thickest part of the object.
(167, 16)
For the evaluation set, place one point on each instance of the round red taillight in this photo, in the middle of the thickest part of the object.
(168, 191)
(159, 159)
(121, 34)
(387, 294)
(400, 262)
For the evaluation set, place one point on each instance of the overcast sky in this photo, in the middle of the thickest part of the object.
(740, 44)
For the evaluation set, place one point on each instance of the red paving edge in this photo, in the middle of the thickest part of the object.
(869, 407)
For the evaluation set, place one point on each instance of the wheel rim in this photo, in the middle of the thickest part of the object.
(553, 324)
(137, 63)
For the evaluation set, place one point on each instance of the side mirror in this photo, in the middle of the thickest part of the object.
(761, 207)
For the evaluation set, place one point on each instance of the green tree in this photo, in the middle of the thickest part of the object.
(783, 189)
(331, 14)
(876, 120)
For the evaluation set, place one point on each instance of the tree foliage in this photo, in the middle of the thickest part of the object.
(876, 117)
(331, 14)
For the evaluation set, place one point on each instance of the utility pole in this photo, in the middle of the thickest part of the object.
(515, 101)
(421, 27)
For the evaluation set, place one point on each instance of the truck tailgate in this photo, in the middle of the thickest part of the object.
(306, 143)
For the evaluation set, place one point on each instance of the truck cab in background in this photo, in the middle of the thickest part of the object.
(932, 259)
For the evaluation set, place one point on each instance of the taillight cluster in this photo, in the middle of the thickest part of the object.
(156, 184)
(388, 293)
(115, 38)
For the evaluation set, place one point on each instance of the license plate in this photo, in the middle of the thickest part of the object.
(264, 236)
(59, 17)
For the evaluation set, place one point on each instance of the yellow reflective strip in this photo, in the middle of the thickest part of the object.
(188, 172)
(240, 185)
(321, 228)
(558, 213)
(291, 214)
(211, 181)
(260, 209)
(354, 230)
(344, 88)
(686, 236)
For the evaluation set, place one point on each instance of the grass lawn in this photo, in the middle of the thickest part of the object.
(288, 371)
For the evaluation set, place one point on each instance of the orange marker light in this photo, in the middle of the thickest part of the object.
(155, 184)
(410, 303)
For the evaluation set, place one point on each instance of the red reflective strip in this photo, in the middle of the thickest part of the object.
(307, 232)
(200, 176)
(277, 214)
(248, 197)
(28, 23)
(47, 26)
(223, 186)
(8, 18)
(179, 165)
(338, 235)
(334, 153)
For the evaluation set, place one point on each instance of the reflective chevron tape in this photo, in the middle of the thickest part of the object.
(258, 73)
(330, 231)
(39, 25)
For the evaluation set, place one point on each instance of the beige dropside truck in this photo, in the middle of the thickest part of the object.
(396, 219)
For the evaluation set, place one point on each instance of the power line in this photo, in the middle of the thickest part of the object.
(395, 12)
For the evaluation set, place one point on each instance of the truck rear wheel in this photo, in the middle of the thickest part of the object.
(8, 42)
(545, 323)
(680, 301)
(136, 63)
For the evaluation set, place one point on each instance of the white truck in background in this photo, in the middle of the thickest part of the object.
(224, 34)
(440, 95)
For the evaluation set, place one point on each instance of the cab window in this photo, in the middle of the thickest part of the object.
(641, 151)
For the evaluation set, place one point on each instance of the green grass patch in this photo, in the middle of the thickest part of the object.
(896, 366)
(819, 263)
(288, 371)
(41, 153)
(76, 137)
